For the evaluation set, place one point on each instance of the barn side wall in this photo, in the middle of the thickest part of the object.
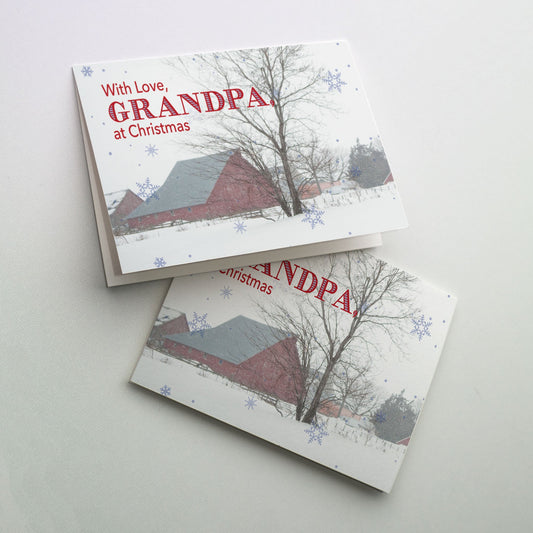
(129, 202)
(271, 371)
(240, 188)
(176, 325)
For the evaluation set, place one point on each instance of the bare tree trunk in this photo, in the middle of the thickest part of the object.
(284, 205)
(297, 207)
(315, 402)
(341, 407)
(299, 410)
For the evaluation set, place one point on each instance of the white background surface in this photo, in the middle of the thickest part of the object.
(82, 450)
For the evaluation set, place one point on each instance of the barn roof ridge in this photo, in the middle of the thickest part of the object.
(189, 183)
(235, 340)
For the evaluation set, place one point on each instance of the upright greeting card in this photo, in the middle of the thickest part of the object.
(330, 357)
(211, 160)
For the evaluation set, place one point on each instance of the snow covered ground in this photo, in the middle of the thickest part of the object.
(330, 217)
(351, 451)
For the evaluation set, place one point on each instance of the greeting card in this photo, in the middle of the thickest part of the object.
(221, 159)
(330, 357)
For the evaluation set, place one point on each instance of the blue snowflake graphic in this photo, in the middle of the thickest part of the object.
(151, 150)
(355, 172)
(198, 324)
(165, 390)
(313, 215)
(239, 226)
(159, 262)
(225, 292)
(317, 432)
(250, 403)
(364, 307)
(421, 327)
(334, 81)
(87, 71)
(147, 190)
(380, 417)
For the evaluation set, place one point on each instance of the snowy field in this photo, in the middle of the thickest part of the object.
(329, 217)
(329, 442)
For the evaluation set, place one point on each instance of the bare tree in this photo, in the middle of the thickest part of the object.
(352, 387)
(318, 164)
(329, 339)
(277, 139)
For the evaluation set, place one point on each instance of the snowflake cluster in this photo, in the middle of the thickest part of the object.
(87, 71)
(198, 324)
(316, 432)
(334, 81)
(355, 172)
(165, 390)
(240, 226)
(313, 215)
(151, 150)
(147, 190)
(225, 292)
(380, 417)
(250, 403)
(421, 327)
(160, 262)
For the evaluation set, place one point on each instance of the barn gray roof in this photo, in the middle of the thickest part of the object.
(189, 183)
(234, 341)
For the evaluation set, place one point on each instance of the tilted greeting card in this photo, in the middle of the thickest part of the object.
(206, 161)
(330, 357)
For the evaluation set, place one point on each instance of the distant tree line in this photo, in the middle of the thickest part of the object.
(367, 164)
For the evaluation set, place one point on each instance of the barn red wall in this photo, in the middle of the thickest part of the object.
(129, 202)
(332, 409)
(149, 221)
(262, 372)
(311, 190)
(239, 188)
(275, 370)
(176, 325)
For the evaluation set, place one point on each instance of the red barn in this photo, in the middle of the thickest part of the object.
(332, 408)
(119, 205)
(205, 187)
(168, 322)
(245, 351)
(404, 442)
